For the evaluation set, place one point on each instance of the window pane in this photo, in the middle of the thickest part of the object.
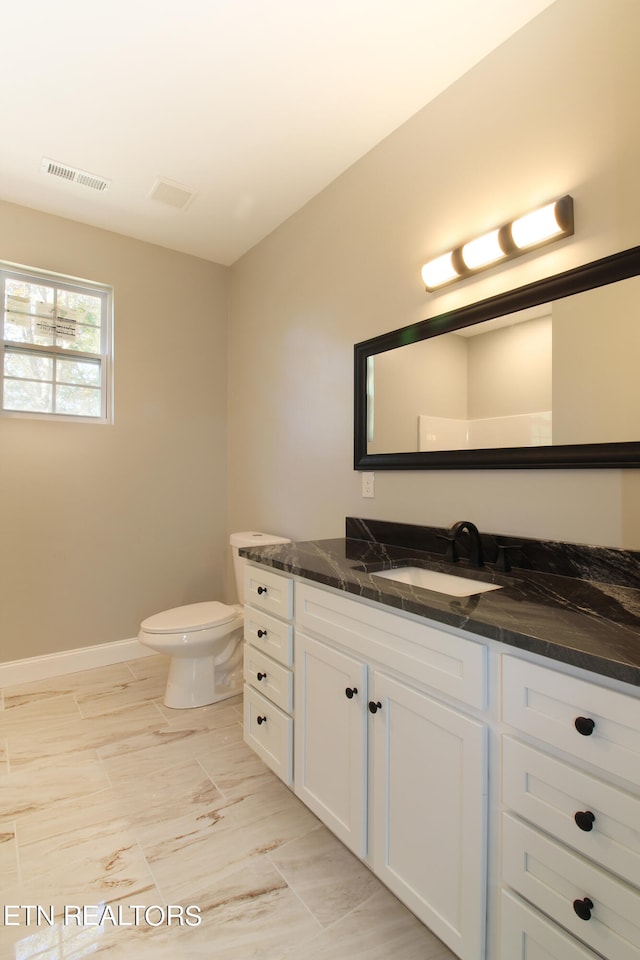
(79, 371)
(45, 315)
(29, 297)
(29, 366)
(80, 307)
(25, 328)
(75, 336)
(78, 401)
(28, 396)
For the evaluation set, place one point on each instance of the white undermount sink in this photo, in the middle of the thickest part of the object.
(450, 584)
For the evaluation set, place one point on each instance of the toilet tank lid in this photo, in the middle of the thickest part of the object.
(251, 538)
(194, 616)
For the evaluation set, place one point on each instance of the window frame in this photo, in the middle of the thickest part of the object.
(60, 282)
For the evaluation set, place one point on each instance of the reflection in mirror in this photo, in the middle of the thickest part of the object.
(488, 385)
(546, 375)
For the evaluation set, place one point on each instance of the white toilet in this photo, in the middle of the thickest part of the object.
(204, 640)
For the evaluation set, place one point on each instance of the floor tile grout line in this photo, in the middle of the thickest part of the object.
(170, 764)
(292, 886)
(302, 902)
(10, 715)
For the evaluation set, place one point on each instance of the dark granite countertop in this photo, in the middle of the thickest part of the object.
(572, 603)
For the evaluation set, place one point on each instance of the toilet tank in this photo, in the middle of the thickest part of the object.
(249, 538)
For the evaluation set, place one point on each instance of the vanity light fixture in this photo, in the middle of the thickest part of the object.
(548, 223)
(482, 252)
(439, 271)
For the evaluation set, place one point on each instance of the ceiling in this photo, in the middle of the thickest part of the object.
(252, 105)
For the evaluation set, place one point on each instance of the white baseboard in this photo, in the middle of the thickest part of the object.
(71, 661)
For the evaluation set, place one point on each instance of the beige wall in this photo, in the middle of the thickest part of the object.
(554, 110)
(428, 377)
(596, 340)
(104, 525)
(510, 370)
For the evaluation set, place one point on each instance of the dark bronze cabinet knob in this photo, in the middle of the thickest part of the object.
(585, 819)
(583, 908)
(584, 725)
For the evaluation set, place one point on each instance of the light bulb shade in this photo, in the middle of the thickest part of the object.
(439, 271)
(483, 251)
(550, 222)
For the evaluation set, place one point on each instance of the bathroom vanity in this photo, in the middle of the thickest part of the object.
(481, 753)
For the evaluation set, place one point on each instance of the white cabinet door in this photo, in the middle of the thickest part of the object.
(330, 738)
(428, 811)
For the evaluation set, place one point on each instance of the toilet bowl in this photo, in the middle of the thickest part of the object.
(204, 643)
(204, 640)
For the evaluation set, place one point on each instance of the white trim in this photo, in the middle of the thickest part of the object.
(71, 661)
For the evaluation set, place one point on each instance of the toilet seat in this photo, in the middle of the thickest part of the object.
(194, 616)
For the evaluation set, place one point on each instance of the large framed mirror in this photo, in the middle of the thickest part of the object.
(547, 375)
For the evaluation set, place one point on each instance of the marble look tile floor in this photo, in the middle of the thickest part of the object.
(111, 802)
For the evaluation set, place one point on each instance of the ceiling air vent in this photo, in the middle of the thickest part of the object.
(171, 193)
(73, 175)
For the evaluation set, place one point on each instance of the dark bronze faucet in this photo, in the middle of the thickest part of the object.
(475, 544)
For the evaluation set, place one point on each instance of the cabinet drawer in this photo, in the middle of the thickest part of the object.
(269, 732)
(554, 879)
(272, 636)
(269, 591)
(526, 935)
(272, 679)
(447, 663)
(548, 705)
(549, 793)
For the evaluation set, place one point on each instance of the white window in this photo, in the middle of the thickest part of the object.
(56, 346)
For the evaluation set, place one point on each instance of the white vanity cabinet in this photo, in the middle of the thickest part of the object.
(571, 817)
(268, 668)
(475, 781)
(396, 772)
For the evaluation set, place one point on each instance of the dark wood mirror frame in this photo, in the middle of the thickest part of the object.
(610, 269)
